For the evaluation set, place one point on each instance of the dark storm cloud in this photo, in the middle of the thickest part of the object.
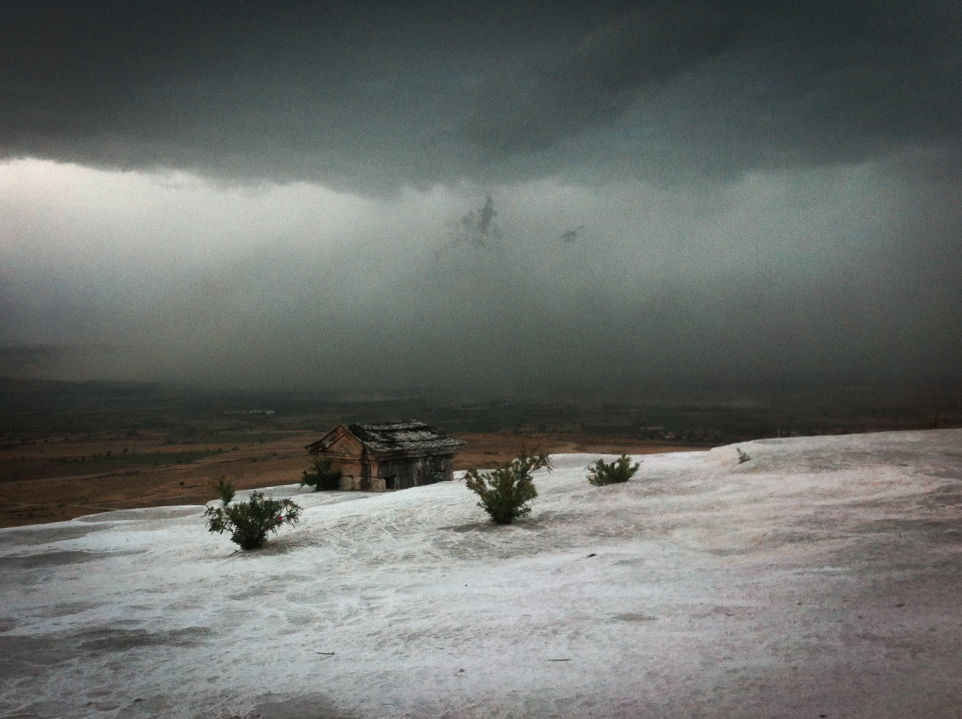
(373, 96)
(782, 277)
(26, 360)
(534, 108)
(495, 195)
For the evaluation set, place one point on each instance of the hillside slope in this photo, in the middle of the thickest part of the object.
(819, 578)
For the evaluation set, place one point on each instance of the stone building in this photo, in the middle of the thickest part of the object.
(389, 455)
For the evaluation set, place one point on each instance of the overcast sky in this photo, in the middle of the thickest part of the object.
(489, 197)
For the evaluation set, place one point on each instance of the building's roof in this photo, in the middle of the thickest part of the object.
(409, 438)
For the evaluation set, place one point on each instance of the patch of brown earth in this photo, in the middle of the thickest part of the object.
(63, 479)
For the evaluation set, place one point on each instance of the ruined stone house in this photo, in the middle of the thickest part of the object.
(388, 455)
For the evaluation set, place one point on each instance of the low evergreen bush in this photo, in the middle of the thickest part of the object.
(225, 490)
(621, 470)
(321, 476)
(249, 522)
(506, 492)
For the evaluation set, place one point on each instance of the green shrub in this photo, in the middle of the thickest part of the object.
(321, 476)
(742, 456)
(225, 490)
(506, 492)
(250, 521)
(621, 470)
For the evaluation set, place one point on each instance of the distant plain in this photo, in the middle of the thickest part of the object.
(72, 449)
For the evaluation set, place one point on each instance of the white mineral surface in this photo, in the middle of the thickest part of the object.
(821, 578)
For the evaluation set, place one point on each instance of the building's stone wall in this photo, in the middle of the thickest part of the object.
(360, 471)
(387, 475)
(411, 472)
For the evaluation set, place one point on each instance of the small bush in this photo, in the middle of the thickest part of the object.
(506, 492)
(321, 476)
(225, 490)
(621, 470)
(250, 521)
(742, 456)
